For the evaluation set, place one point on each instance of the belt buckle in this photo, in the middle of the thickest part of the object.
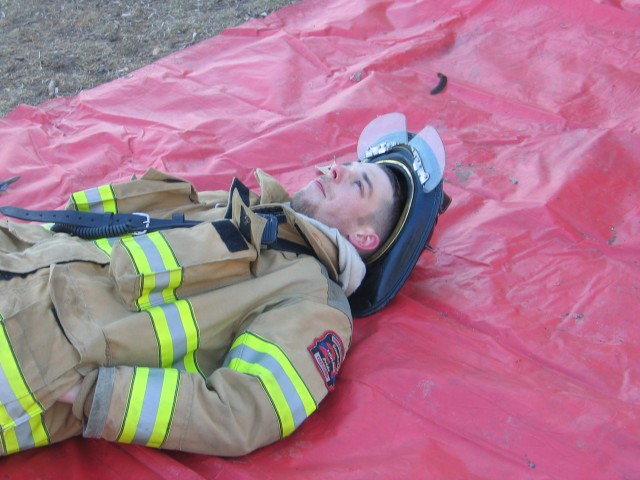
(146, 222)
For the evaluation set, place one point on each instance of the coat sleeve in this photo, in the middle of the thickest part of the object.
(275, 375)
(155, 192)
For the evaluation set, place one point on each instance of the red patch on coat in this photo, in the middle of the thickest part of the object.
(328, 353)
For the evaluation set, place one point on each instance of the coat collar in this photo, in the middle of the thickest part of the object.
(334, 251)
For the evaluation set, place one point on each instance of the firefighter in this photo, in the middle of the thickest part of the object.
(215, 325)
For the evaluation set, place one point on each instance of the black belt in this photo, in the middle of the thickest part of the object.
(100, 225)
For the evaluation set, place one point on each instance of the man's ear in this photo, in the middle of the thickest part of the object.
(365, 240)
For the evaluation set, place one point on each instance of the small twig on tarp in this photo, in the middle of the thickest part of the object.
(441, 84)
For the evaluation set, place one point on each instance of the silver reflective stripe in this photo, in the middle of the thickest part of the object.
(179, 365)
(9, 401)
(177, 334)
(176, 328)
(149, 411)
(265, 360)
(150, 406)
(21, 422)
(25, 436)
(95, 200)
(161, 275)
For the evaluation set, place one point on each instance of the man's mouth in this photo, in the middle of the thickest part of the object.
(321, 187)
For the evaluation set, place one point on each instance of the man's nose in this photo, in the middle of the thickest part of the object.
(337, 172)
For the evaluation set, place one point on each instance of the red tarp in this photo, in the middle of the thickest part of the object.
(513, 351)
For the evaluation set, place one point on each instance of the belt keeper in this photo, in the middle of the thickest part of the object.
(270, 232)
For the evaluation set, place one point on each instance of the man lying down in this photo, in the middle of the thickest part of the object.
(212, 322)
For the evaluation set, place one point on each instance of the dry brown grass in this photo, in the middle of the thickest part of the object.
(54, 48)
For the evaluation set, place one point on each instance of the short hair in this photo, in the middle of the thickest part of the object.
(386, 218)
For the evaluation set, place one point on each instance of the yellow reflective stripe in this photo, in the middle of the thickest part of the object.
(148, 418)
(10, 442)
(134, 409)
(39, 431)
(291, 398)
(270, 384)
(262, 345)
(27, 435)
(21, 424)
(107, 244)
(160, 273)
(192, 334)
(99, 199)
(177, 334)
(163, 336)
(166, 408)
(80, 201)
(16, 399)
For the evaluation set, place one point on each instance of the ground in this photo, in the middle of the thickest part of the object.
(52, 48)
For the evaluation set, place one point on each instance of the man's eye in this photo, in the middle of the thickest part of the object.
(360, 186)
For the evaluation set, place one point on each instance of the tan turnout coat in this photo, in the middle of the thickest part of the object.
(196, 339)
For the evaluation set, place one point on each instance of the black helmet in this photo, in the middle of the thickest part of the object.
(418, 161)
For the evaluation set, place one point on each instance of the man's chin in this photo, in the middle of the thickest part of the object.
(301, 204)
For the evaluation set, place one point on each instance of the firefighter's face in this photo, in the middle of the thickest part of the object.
(346, 198)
